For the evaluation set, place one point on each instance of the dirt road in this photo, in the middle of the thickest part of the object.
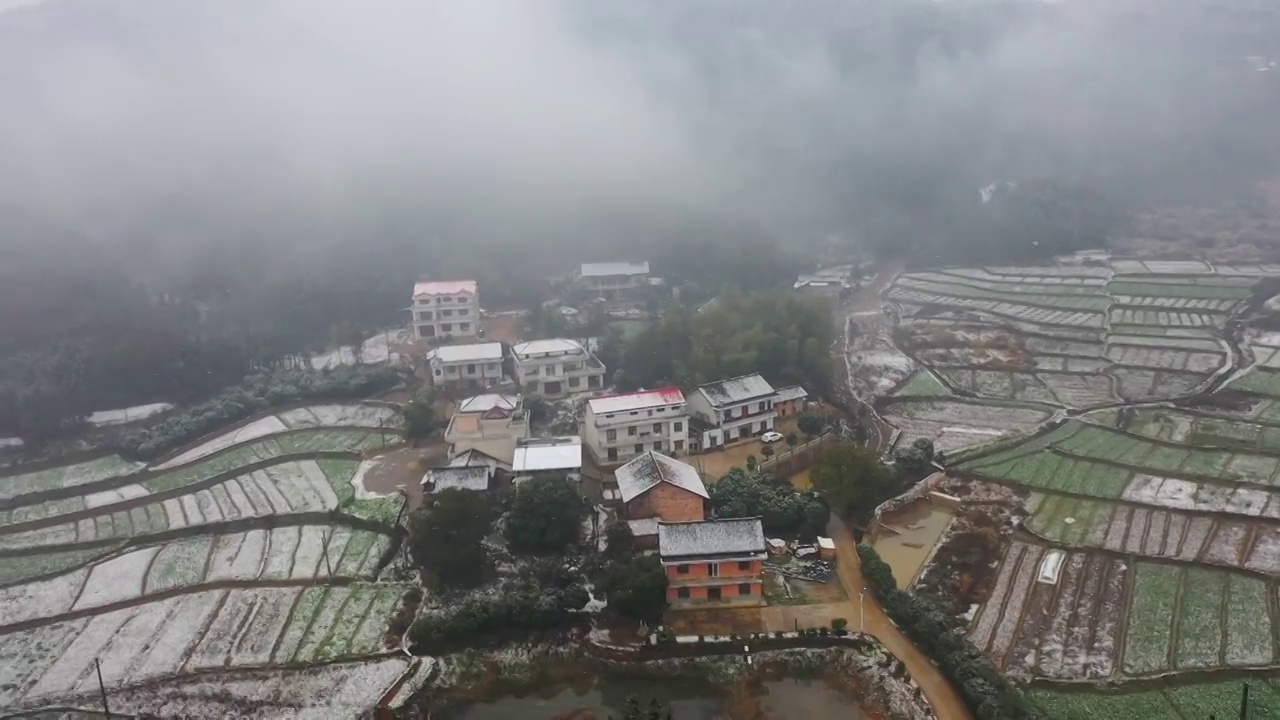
(879, 433)
(946, 702)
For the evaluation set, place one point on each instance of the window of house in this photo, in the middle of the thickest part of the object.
(713, 569)
(657, 445)
(446, 327)
(439, 372)
(424, 316)
(639, 448)
(611, 434)
(575, 382)
(464, 311)
(744, 589)
(464, 327)
(634, 412)
(679, 445)
(682, 593)
(471, 368)
(442, 300)
(744, 564)
(613, 453)
(682, 569)
(657, 428)
(446, 313)
(451, 370)
(631, 431)
(649, 413)
(678, 427)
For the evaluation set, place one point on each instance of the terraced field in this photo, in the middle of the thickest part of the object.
(1136, 407)
(248, 550)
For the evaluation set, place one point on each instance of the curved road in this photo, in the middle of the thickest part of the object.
(946, 701)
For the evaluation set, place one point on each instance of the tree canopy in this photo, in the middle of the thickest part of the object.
(636, 587)
(853, 480)
(445, 538)
(546, 516)
(784, 336)
(783, 510)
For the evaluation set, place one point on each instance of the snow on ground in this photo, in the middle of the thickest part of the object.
(357, 480)
(128, 415)
(238, 556)
(111, 497)
(261, 427)
(353, 415)
(1187, 495)
(65, 476)
(117, 579)
(332, 691)
(41, 598)
(78, 657)
(11, 442)
(375, 350)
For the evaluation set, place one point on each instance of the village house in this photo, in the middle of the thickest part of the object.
(713, 562)
(616, 428)
(476, 365)
(653, 488)
(490, 423)
(445, 309)
(475, 479)
(476, 458)
(729, 410)
(790, 401)
(548, 457)
(615, 281)
(555, 368)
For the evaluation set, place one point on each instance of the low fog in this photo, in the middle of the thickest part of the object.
(169, 124)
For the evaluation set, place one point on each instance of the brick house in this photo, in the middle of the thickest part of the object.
(713, 562)
(790, 401)
(653, 488)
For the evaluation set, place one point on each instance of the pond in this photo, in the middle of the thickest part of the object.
(908, 536)
(686, 700)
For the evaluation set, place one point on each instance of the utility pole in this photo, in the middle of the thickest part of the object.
(862, 618)
(102, 688)
(324, 549)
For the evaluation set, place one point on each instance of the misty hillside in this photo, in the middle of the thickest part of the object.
(242, 175)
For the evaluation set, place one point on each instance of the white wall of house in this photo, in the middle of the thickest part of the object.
(446, 316)
(733, 422)
(465, 373)
(562, 370)
(619, 436)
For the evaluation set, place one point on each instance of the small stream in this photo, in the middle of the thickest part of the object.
(686, 700)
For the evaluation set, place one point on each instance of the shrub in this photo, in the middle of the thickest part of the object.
(506, 618)
(259, 392)
(839, 624)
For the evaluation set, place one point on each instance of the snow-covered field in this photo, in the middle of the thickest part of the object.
(66, 476)
(128, 415)
(365, 415)
(376, 349)
(261, 427)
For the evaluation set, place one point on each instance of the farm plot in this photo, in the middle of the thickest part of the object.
(1261, 381)
(1136, 384)
(203, 630)
(269, 437)
(956, 424)
(340, 690)
(922, 383)
(1190, 618)
(14, 486)
(1196, 700)
(367, 415)
(286, 489)
(1156, 533)
(1064, 627)
(330, 622)
(295, 553)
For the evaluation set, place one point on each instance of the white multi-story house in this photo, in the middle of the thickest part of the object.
(491, 424)
(548, 457)
(556, 368)
(733, 409)
(615, 281)
(616, 428)
(477, 365)
(445, 309)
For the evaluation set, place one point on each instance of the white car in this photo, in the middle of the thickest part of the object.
(771, 437)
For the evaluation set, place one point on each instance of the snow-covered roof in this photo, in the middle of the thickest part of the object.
(643, 526)
(791, 392)
(553, 346)
(636, 400)
(472, 352)
(614, 268)
(475, 458)
(486, 402)
(643, 473)
(736, 390)
(445, 287)
(558, 453)
(474, 478)
(129, 414)
(711, 537)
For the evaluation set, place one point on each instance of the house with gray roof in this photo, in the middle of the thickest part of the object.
(475, 478)
(729, 410)
(713, 562)
(654, 487)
